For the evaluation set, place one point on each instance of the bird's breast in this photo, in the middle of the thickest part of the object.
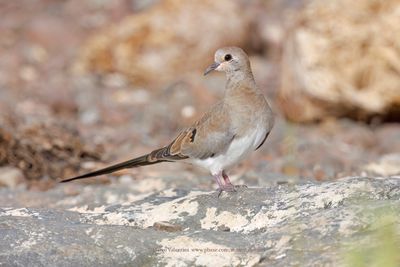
(239, 148)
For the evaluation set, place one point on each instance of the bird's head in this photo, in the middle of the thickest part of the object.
(229, 59)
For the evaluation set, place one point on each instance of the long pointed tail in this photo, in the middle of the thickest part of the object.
(136, 162)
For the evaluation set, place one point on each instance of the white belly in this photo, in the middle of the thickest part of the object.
(237, 151)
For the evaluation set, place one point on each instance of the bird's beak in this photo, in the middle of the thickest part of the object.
(211, 68)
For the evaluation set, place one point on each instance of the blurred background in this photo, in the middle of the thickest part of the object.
(84, 84)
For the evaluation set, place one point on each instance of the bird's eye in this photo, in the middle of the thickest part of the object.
(228, 57)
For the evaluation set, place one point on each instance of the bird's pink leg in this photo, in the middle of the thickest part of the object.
(228, 183)
(226, 180)
(217, 178)
(228, 186)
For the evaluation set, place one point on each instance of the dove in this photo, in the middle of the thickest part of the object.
(225, 135)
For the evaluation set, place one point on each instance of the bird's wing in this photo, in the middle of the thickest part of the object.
(208, 137)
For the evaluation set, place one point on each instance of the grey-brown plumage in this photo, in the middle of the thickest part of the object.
(226, 134)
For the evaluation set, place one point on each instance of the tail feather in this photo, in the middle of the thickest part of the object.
(136, 162)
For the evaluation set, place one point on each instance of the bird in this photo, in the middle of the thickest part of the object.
(234, 127)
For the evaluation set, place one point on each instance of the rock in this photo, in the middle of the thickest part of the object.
(159, 43)
(389, 137)
(268, 25)
(387, 165)
(168, 227)
(11, 177)
(285, 225)
(341, 59)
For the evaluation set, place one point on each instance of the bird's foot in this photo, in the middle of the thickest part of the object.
(230, 188)
(226, 188)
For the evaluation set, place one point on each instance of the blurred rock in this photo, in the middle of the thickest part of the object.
(160, 43)
(49, 33)
(389, 137)
(342, 59)
(11, 177)
(385, 166)
(142, 4)
(268, 24)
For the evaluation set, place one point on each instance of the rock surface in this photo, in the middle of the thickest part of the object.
(341, 59)
(285, 225)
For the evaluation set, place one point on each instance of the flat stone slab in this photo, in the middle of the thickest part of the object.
(284, 225)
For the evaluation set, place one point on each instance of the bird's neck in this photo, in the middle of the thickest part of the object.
(239, 79)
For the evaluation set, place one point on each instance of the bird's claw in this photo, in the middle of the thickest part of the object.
(230, 188)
